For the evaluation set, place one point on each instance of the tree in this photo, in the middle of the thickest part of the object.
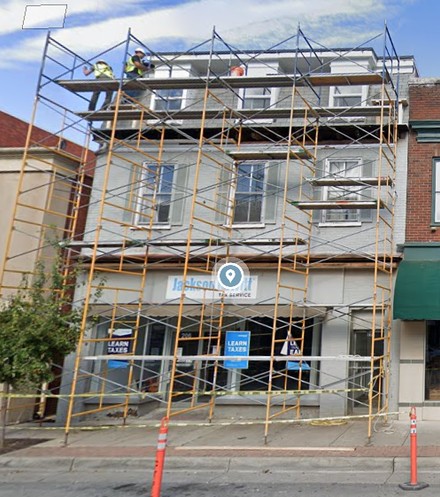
(37, 324)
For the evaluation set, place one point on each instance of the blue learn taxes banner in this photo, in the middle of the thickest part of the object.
(119, 344)
(237, 343)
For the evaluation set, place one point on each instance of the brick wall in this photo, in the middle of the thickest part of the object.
(13, 133)
(424, 103)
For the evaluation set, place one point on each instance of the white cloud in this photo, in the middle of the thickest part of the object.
(244, 23)
(12, 12)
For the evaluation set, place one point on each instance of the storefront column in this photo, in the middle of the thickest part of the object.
(335, 341)
(412, 365)
(394, 367)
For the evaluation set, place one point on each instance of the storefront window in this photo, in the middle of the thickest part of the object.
(432, 358)
(256, 376)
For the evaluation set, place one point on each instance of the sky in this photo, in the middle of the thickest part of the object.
(90, 27)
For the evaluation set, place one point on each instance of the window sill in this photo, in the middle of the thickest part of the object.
(143, 227)
(339, 224)
(246, 226)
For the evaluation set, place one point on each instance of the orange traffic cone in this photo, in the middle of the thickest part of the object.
(160, 458)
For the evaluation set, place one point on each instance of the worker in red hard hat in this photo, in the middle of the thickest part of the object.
(136, 67)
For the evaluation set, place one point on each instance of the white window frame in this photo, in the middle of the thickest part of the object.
(260, 95)
(155, 190)
(259, 70)
(166, 100)
(334, 96)
(352, 191)
(171, 72)
(234, 191)
(436, 191)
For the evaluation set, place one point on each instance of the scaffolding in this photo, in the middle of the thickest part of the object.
(199, 167)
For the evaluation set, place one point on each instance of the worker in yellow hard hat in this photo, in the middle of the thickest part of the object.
(101, 70)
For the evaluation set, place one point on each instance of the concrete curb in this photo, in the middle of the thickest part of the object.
(211, 464)
(428, 464)
(62, 464)
(274, 464)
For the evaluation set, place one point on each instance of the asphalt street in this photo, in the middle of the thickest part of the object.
(50, 483)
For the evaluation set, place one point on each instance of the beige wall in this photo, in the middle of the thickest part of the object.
(43, 202)
(412, 367)
(8, 187)
(412, 372)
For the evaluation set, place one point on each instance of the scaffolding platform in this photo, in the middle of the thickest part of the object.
(276, 81)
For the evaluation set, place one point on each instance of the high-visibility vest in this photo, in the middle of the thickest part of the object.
(130, 67)
(102, 69)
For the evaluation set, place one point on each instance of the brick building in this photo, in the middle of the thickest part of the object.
(417, 292)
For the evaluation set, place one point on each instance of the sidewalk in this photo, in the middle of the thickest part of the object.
(224, 447)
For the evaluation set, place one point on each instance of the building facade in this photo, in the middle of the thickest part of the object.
(292, 168)
(416, 302)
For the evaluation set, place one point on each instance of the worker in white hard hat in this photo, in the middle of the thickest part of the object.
(101, 70)
(136, 67)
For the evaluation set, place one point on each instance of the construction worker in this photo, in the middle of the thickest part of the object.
(101, 70)
(136, 67)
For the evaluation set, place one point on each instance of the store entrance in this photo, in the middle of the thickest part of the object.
(256, 376)
(360, 372)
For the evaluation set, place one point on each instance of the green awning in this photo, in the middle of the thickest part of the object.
(417, 288)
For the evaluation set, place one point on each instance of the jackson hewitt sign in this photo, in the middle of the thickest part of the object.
(204, 287)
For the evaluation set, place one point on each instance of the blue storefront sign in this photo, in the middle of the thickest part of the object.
(237, 343)
(297, 366)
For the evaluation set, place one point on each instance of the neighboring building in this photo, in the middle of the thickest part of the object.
(39, 177)
(296, 168)
(417, 293)
(37, 194)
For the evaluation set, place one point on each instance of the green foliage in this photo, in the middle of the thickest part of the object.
(37, 325)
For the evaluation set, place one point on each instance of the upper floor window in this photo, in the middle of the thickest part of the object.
(249, 190)
(256, 98)
(169, 99)
(339, 169)
(155, 195)
(348, 96)
(436, 192)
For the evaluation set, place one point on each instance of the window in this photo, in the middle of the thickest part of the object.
(436, 192)
(337, 169)
(256, 98)
(432, 361)
(348, 96)
(169, 99)
(248, 199)
(155, 197)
